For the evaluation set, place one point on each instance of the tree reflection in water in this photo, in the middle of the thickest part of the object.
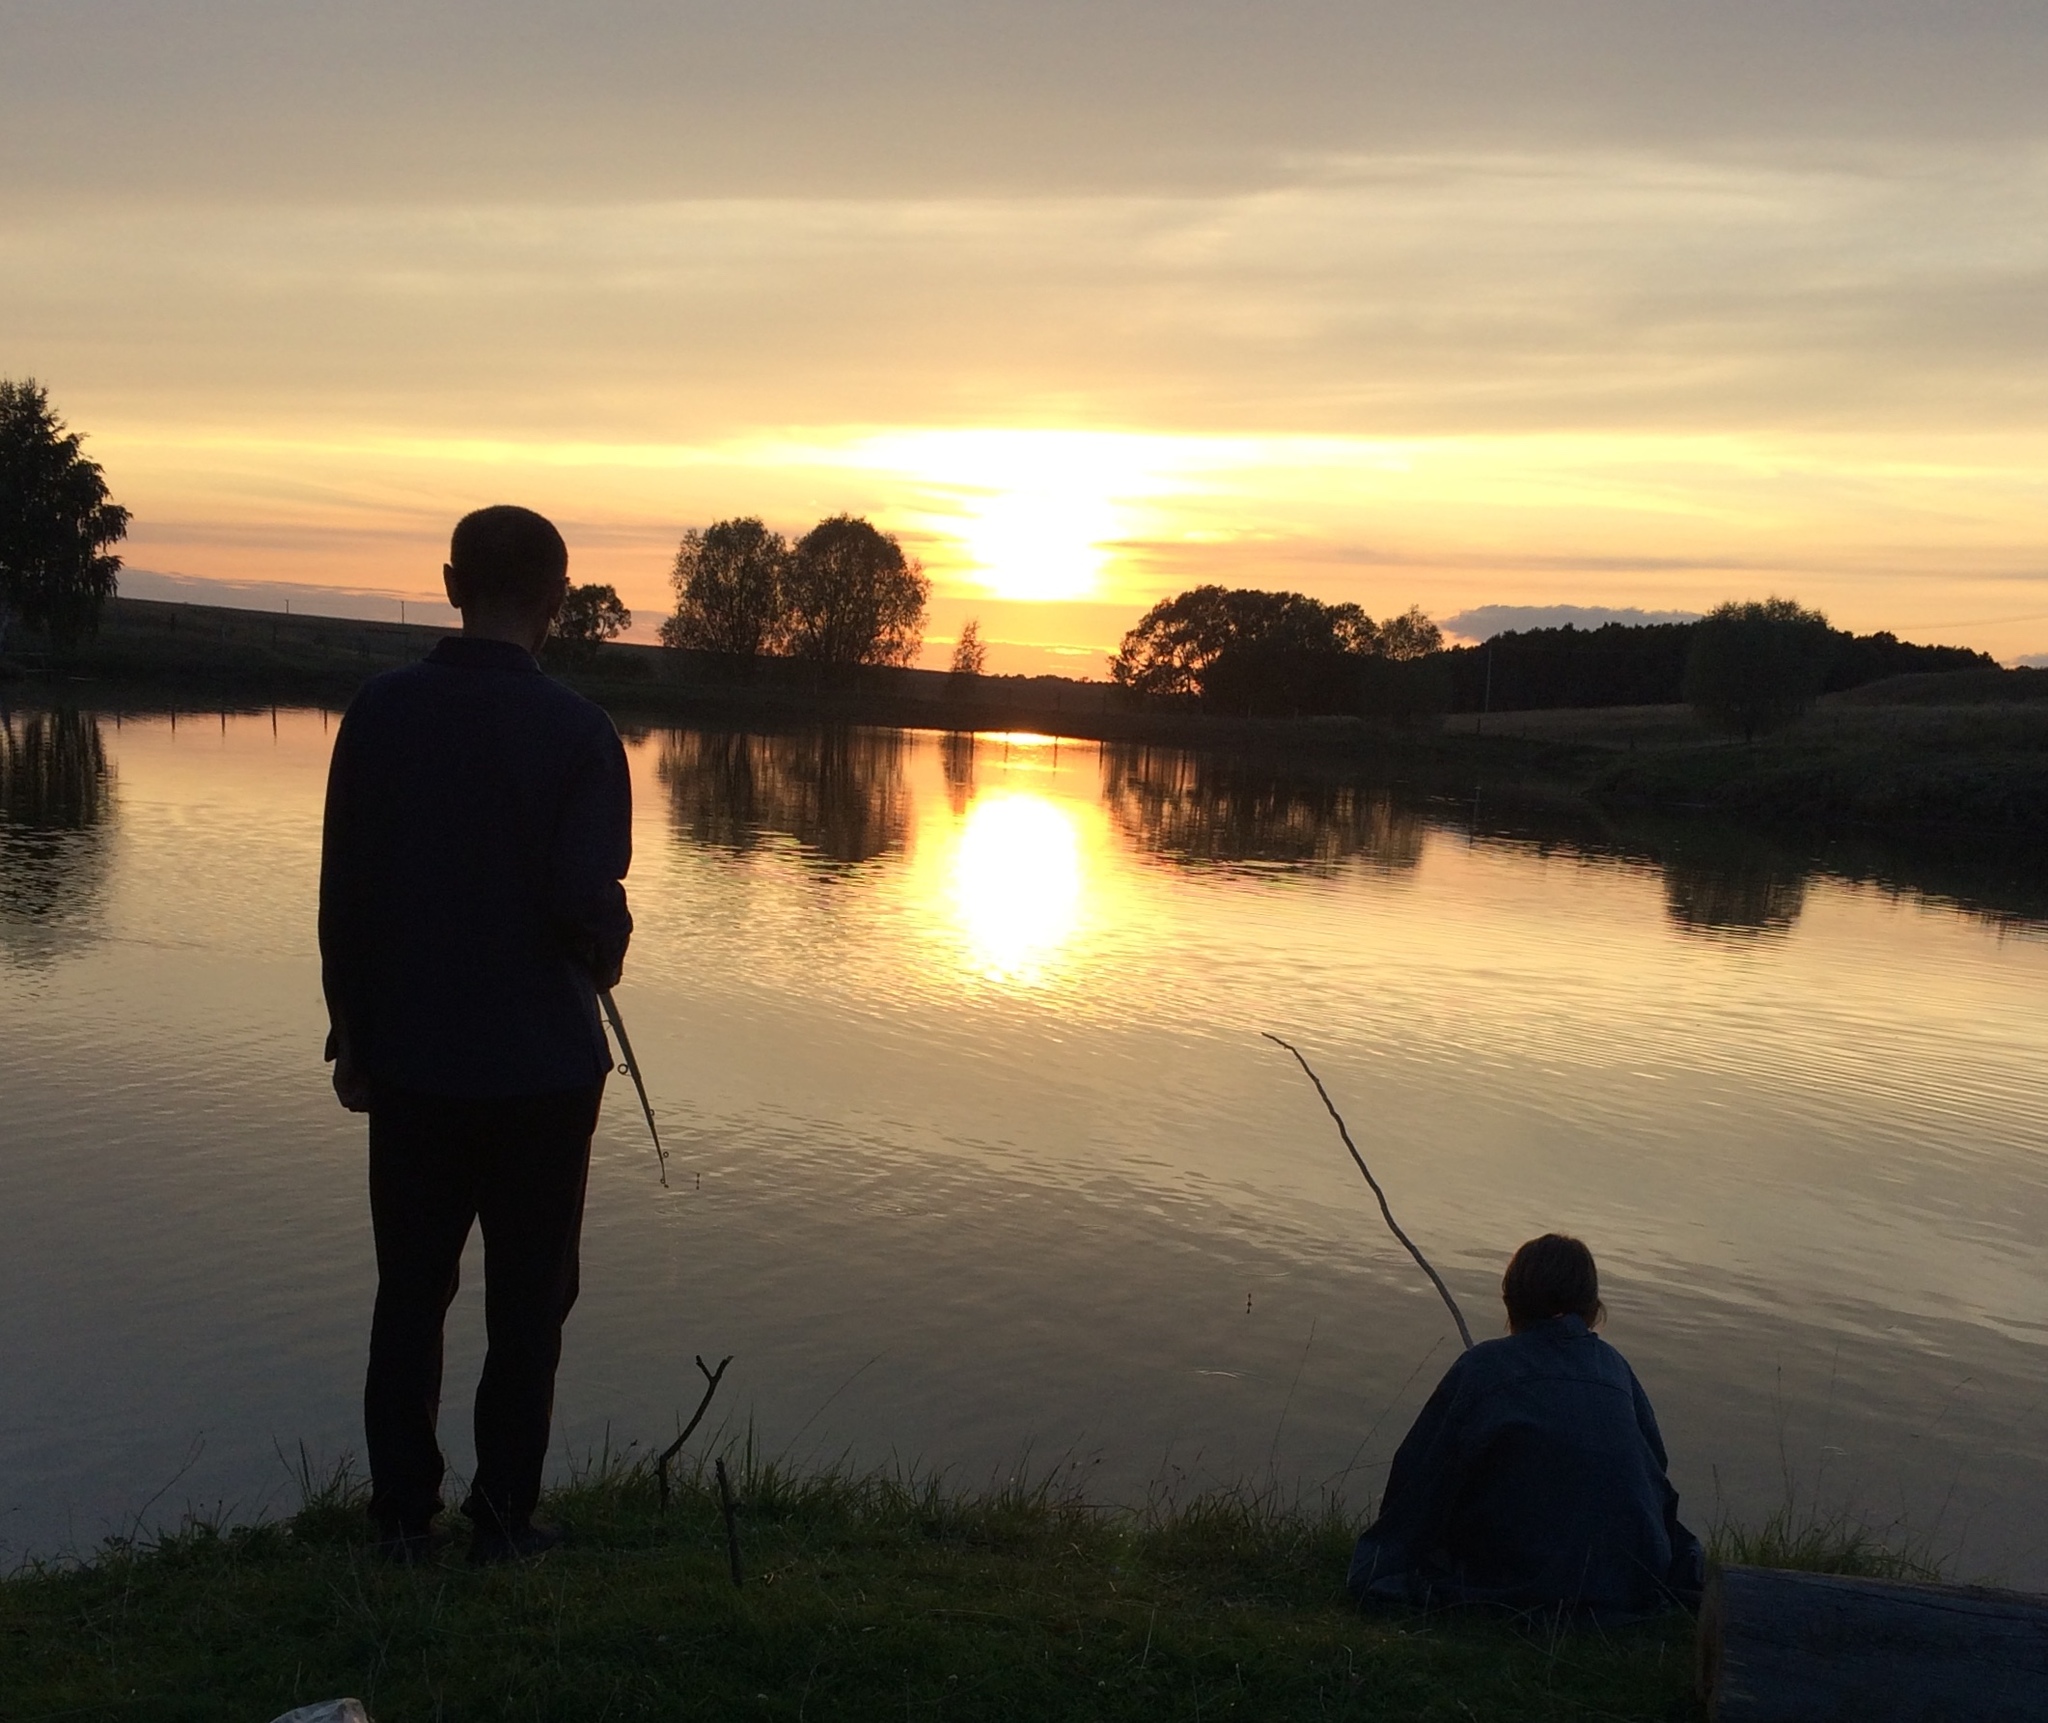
(55, 803)
(1730, 882)
(1718, 879)
(839, 793)
(957, 755)
(1207, 809)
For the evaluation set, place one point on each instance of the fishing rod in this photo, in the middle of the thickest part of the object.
(631, 1067)
(1393, 1226)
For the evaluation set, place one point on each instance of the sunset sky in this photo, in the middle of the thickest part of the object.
(1612, 303)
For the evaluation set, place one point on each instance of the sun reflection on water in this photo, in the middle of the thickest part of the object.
(1017, 883)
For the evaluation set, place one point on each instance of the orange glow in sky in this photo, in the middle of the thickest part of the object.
(1653, 309)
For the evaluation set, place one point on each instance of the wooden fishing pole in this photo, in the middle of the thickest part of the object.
(631, 1066)
(1393, 1226)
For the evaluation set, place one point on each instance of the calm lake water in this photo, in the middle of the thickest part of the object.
(977, 1156)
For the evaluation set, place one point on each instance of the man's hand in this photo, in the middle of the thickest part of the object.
(603, 967)
(351, 1087)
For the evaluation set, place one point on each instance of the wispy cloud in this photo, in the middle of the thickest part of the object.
(1487, 620)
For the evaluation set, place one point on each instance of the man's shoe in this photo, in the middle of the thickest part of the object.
(489, 1544)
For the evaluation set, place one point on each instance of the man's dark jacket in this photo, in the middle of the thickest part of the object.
(1535, 1477)
(479, 822)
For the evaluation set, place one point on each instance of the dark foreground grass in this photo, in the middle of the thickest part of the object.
(1816, 1539)
(864, 1598)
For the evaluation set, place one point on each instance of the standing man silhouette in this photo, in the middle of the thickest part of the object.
(479, 826)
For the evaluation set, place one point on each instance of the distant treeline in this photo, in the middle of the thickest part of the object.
(1617, 665)
(1257, 653)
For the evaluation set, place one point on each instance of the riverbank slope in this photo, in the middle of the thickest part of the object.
(861, 1599)
(1966, 750)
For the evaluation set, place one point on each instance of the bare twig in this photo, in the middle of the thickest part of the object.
(732, 1524)
(1393, 1226)
(667, 1456)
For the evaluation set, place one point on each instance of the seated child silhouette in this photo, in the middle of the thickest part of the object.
(1535, 1476)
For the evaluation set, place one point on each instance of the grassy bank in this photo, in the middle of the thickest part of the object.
(862, 1598)
(1879, 757)
(1864, 764)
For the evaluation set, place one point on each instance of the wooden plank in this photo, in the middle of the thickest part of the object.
(1779, 1647)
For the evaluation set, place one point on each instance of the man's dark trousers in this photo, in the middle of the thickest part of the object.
(517, 1165)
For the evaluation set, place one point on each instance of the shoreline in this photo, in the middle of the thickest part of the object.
(1961, 756)
(840, 1595)
(863, 1597)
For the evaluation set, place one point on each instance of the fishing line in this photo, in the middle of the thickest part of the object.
(631, 1067)
(1393, 1226)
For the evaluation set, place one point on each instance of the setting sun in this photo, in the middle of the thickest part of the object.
(1031, 514)
(1038, 544)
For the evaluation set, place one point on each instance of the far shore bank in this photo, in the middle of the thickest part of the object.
(1965, 752)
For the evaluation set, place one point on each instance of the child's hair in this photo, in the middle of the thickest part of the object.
(509, 556)
(1551, 1276)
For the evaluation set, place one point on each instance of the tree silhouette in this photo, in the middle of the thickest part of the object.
(1252, 651)
(1223, 645)
(729, 590)
(1403, 639)
(1754, 667)
(590, 615)
(970, 656)
(56, 521)
(850, 596)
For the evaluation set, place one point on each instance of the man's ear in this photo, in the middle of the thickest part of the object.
(451, 585)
